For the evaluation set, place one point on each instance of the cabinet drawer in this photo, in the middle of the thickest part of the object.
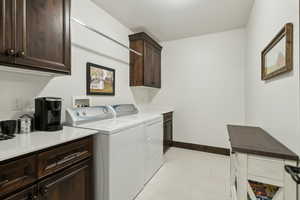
(168, 116)
(54, 160)
(264, 167)
(17, 174)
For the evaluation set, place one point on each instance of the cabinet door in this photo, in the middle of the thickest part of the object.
(137, 64)
(168, 135)
(43, 34)
(71, 184)
(152, 66)
(7, 25)
(154, 148)
(148, 65)
(28, 194)
(157, 68)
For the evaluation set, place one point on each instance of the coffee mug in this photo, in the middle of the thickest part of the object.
(9, 127)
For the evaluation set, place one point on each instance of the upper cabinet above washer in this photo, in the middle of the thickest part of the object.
(35, 35)
(145, 70)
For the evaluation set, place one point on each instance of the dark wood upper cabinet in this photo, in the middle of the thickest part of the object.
(7, 44)
(35, 35)
(145, 70)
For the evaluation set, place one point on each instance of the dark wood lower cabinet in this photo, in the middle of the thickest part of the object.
(71, 180)
(168, 131)
(71, 184)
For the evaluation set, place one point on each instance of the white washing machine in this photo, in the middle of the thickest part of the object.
(128, 149)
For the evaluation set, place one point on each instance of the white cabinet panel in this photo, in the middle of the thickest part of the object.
(126, 164)
(290, 192)
(154, 148)
(261, 172)
(266, 167)
(242, 176)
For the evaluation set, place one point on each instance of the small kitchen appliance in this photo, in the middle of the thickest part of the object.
(48, 114)
(8, 129)
(25, 124)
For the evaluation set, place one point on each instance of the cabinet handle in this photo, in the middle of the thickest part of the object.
(21, 53)
(71, 157)
(44, 191)
(8, 182)
(11, 52)
(65, 159)
(32, 197)
(4, 182)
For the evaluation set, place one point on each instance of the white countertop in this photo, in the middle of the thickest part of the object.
(112, 126)
(147, 109)
(28, 143)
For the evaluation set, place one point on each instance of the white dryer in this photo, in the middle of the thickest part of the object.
(124, 160)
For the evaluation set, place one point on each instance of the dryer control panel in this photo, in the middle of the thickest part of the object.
(78, 116)
(125, 109)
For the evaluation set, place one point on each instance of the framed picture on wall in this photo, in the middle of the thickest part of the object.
(100, 80)
(277, 57)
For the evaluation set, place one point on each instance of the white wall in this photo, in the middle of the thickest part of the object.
(19, 90)
(274, 104)
(203, 79)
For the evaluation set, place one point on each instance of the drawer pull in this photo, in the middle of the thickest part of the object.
(4, 182)
(69, 158)
(32, 197)
(44, 191)
(7, 182)
(51, 166)
(66, 159)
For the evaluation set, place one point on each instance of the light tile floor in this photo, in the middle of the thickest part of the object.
(190, 175)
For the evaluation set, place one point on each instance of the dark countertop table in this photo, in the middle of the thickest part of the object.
(255, 140)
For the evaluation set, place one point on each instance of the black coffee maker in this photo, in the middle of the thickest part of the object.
(48, 114)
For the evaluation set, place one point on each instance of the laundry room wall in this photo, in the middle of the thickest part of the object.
(273, 104)
(203, 80)
(19, 90)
